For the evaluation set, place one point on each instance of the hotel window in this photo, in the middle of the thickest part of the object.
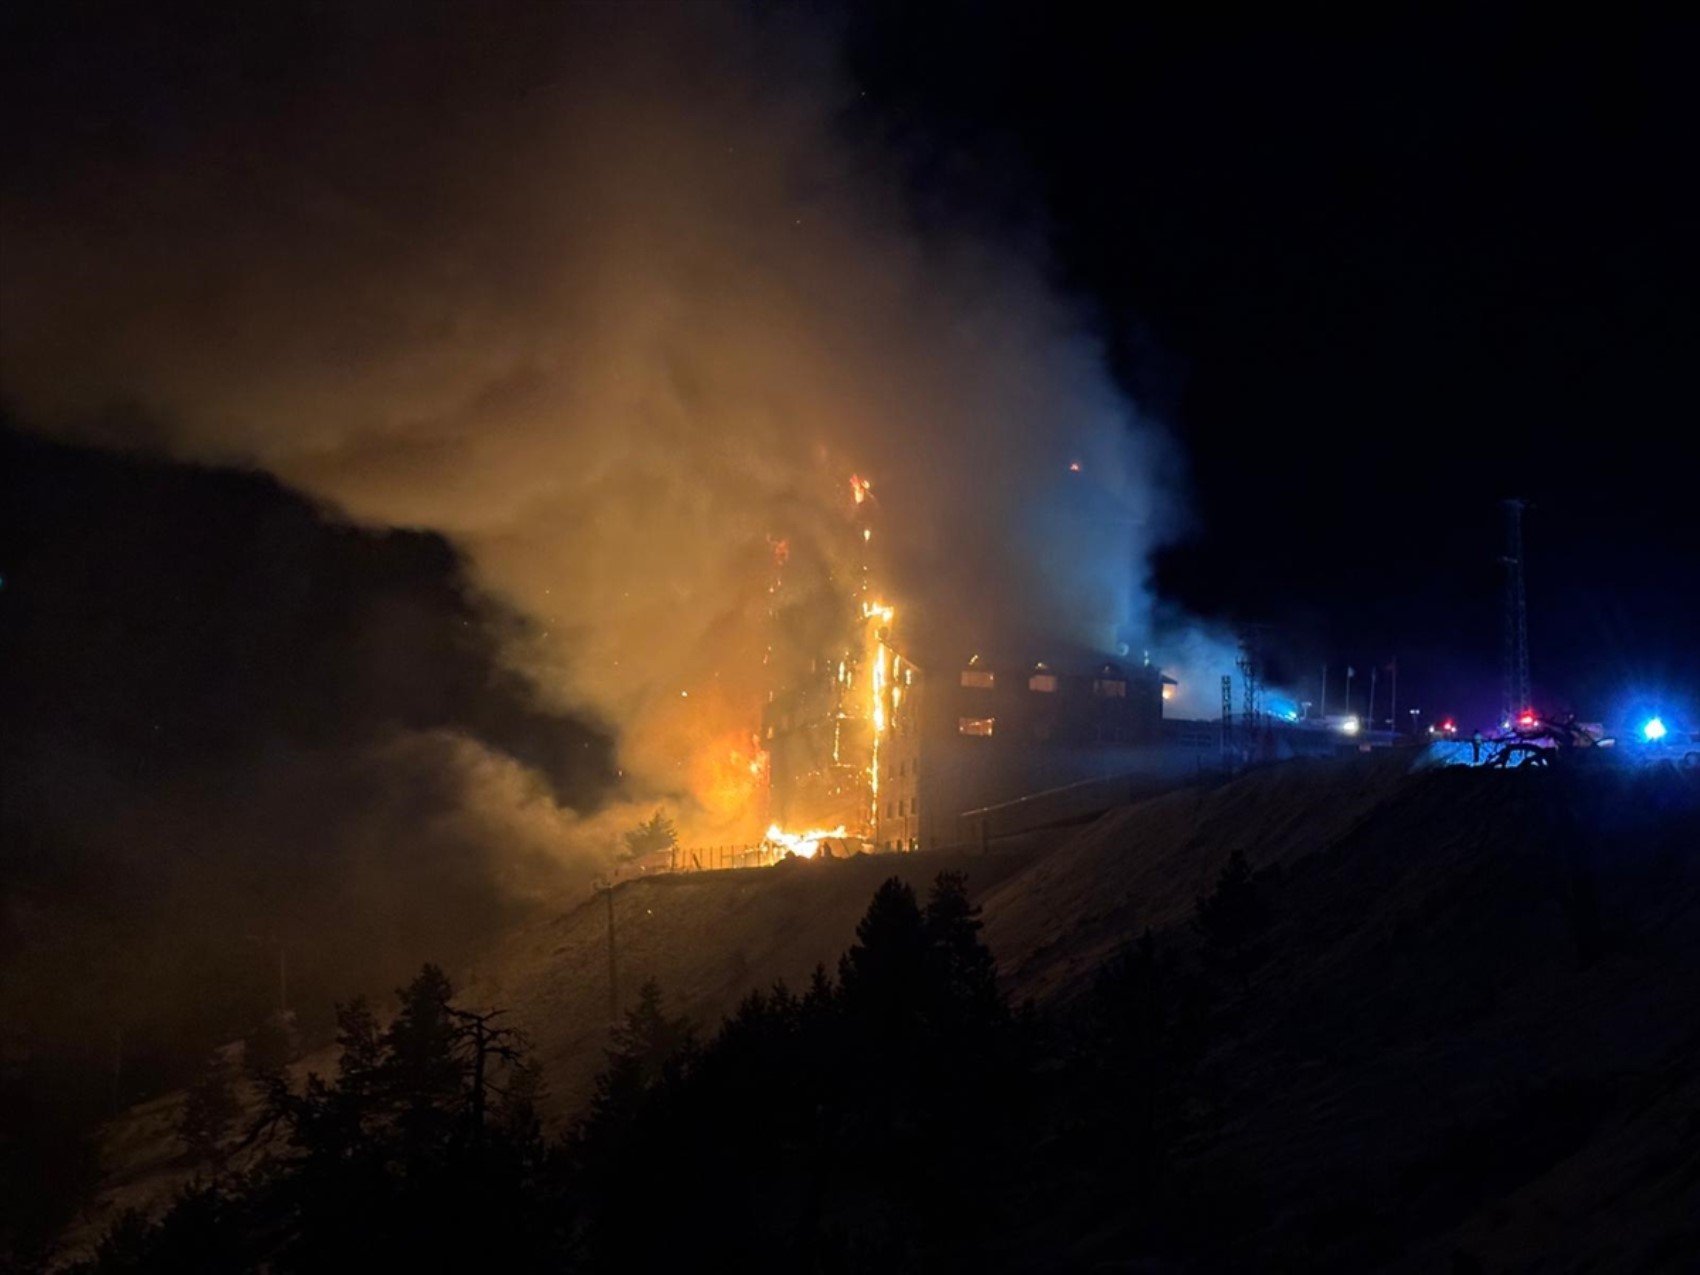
(975, 725)
(980, 678)
(1046, 682)
(1110, 688)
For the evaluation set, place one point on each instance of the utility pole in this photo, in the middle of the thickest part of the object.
(1369, 714)
(1393, 705)
(117, 1065)
(1350, 674)
(1322, 703)
(1515, 655)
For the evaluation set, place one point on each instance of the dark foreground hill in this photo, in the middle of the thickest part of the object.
(1456, 1025)
(1473, 1025)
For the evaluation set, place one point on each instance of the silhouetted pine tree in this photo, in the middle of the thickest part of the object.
(881, 978)
(361, 1045)
(382, 1167)
(210, 1112)
(422, 1074)
(642, 1049)
(964, 974)
(1230, 918)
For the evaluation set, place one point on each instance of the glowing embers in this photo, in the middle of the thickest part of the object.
(880, 613)
(977, 726)
(805, 845)
(860, 488)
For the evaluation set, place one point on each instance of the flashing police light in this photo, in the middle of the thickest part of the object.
(1653, 731)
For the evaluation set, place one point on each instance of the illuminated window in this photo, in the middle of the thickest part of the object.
(975, 725)
(982, 678)
(1168, 689)
(1046, 682)
(1110, 688)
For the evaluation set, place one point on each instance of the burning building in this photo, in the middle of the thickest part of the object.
(889, 743)
(896, 750)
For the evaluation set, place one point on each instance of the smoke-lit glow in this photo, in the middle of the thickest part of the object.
(625, 370)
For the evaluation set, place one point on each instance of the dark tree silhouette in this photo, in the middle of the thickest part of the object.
(210, 1111)
(1231, 918)
(966, 974)
(485, 1046)
(898, 1117)
(881, 975)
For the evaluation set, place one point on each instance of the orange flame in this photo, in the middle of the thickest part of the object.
(805, 845)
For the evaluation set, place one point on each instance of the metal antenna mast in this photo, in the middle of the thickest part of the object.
(1516, 635)
(1251, 676)
(1227, 715)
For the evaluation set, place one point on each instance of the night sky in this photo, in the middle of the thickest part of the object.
(1377, 275)
(1374, 276)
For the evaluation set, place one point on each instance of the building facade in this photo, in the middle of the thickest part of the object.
(896, 753)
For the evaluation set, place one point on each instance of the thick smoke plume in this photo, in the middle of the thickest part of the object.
(603, 296)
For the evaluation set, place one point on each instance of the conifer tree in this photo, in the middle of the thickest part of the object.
(210, 1112)
(1231, 917)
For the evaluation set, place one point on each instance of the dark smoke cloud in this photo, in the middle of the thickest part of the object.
(602, 295)
(229, 725)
